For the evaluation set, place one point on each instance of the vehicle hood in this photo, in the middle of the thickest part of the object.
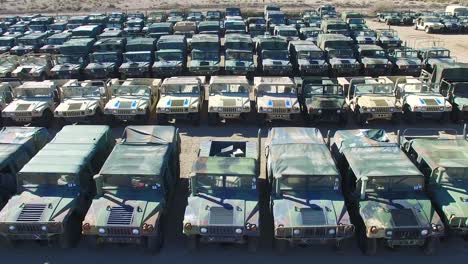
(428, 100)
(235, 63)
(408, 62)
(283, 100)
(228, 101)
(461, 102)
(312, 62)
(168, 64)
(270, 62)
(378, 61)
(389, 39)
(434, 61)
(28, 69)
(433, 24)
(66, 67)
(204, 63)
(130, 65)
(325, 102)
(452, 200)
(342, 61)
(77, 104)
(377, 101)
(26, 105)
(178, 101)
(127, 102)
(366, 39)
(104, 65)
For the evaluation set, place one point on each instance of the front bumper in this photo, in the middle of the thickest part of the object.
(315, 235)
(32, 231)
(167, 71)
(277, 70)
(327, 115)
(204, 71)
(134, 72)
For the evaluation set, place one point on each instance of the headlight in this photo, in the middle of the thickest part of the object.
(133, 111)
(114, 111)
(44, 228)
(101, 230)
(392, 109)
(424, 232)
(296, 232)
(319, 111)
(331, 231)
(269, 110)
(441, 109)
(220, 109)
(135, 231)
(239, 109)
(203, 230)
(338, 111)
(238, 231)
(389, 233)
(373, 109)
(12, 228)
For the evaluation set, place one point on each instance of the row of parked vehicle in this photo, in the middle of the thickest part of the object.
(409, 192)
(441, 95)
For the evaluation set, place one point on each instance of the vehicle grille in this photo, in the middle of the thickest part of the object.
(406, 234)
(280, 110)
(28, 229)
(433, 109)
(119, 231)
(382, 109)
(23, 114)
(177, 110)
(221, 216)
(229, 110)
(72, 113)
(124, 112)
(31, 213)
(458, 222)
(221, 230)
(323, 232)
(120, 215)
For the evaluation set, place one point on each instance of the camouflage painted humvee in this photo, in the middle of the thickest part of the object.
(444, 162)
(205, 58)
(33, 67)
(223, 206)
(56, 187)
(229, 98)
(8, 63)
(134, 188)
(405, 61)
(276, 98)
(371, 98)
(384, 192)
(340, 53)
(322, 100)
(388, 38)
(306, 200)
(374, 60)
(83, 101)
(17, 146)
(132, 100)
(7, 94)
(181, 98)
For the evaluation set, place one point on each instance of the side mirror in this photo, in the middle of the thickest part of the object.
(99, 183)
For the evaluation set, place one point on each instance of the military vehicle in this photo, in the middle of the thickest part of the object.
(273, 19)
(87, 31)
(213, 15)
(58, 26)
(366, 36)
(276, 99)
(287, 32)
(405, 61)
(134, 26)
(334, 26)
(116, 20)
(73, 59)
(103, 65)
(8, 63)
(430, 24)
(172, 42)
(205, 57)
(181, 98)
(29, 43)
(443, 161)
(98, 19)
(39, 24)
(273, 56)
(17, 146)
(420, 100)
(295, 22)
(196, 16)
(340, 53)
(327, 11)
(452, 82)
(33, 67)
(140, 44)
(307, 58)
(233, 13)
(238, 54)
(256, 26)
(175, 16)
(384, 192)
(388, 38)
(322, 100)
(185, 28)
(389, 18)
(54, 42)
(209, 27)
(309, 33)
(355, 21)
(7, 42)
(132, 100)
(136, 64)
(56, 187)
(10, 20)
(7, 94)
(432, 56)
(306, 201)
(169, 62)
(156, 17)
(77, 21)
(34, 102)
(111, 33)
(229, 98)
(83, 101)
(374, 60)
(451, 24)
(314, 20)
(371, 98)
(146, 192)
(223, 205)
(157, 30)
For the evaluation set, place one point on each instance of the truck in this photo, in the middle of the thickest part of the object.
(273, 56)
(340, 53)
(430, 24)
(8, 63)
(405, 61)
(53, 43)
(307, 58)
(73, 58)
(146, 193)
(373, 60)
(388, 38)
(33, 67)
(205, 58)
(238, 54)
(103, 65)
(29, 43)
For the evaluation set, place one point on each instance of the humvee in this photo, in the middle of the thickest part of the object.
(103, 65)
(83, 101)
(443, 161)
(322, 100)
(340, 53)
(434, 55)
(29, 43)
(309, 33)
(134, 26)
(307, 58)
(156, 17)
(34, 102)
(384, 192)
(132, 204)
(388, 38)
(287, 32)
(366, 36)
(136, 64)
(181, 98)
(306, 200)
(7, 94)
(374, 60)
(185, 28)
(19, 145)
(334, 26)
(87, 31)
(209, 27)
(73, 59)
(8, 63)
(430, 24)
(33, 67)
(256, 26)
(132, 100)
(56, 187)
(371, 98)
(451, 24)
(172, 42)
(405, 61)
(213, 15)
(273, 56)
(7, 42)
(53, 43)
(223, 206)
(169, 62)
(389, 18)
(205, 57)
(159, 29)
(276, 98)
(420, 100)
(229, 98)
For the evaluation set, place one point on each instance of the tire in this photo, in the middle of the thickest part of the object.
(409, 116)
(195, 117)
(445, 117)
(281, 246)
(192, 243)
(455, 115)
(68, 238)
(428, 30)
(161, 119)
(213, 119)
(46, 118)
(361, 119)
(252, 244)
(429, 246)
(370, 246)
(396, 118)
(154, 244)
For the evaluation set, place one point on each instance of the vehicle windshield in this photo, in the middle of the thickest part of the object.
(79, 91)
(461, 89)
(69, 60)
(222, 88)
(417, 88)
(137, 57)
(35, 92)
(311, 33)
(104, 58)
(338, 26)
(130, 90)
(169, 56)
(275, 54)
(365, 33)
(214, 183)
(208, 28)
(373, 89)
(305, 55)
(30, 42)
(431, 20)
(356, 21)
(238, 55)
(205, 55)
(373, 53)
(287, 33)
(394, 183)
(238, 45)
(307, 182)
(341, 53)
(26, 179)
(313, 89)
(276, 89)
(191, 88)
(453, 176)
(6, 43)
(406, 54)
(438, 54)
(133, 181)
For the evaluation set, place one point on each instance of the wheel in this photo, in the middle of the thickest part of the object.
(445, 117)
(46, 118)
(98, 117)
(213, 119)
(192, 243)
(155, 243)
(110, 120)
(409, 115)
(281, 246)
(371, 246)
(195, 117)
(455, 115)
(161, 119)
(69, 236)
(361, 119)
(428, 30)
(429, 246)
(396, 118)
(252, 244)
